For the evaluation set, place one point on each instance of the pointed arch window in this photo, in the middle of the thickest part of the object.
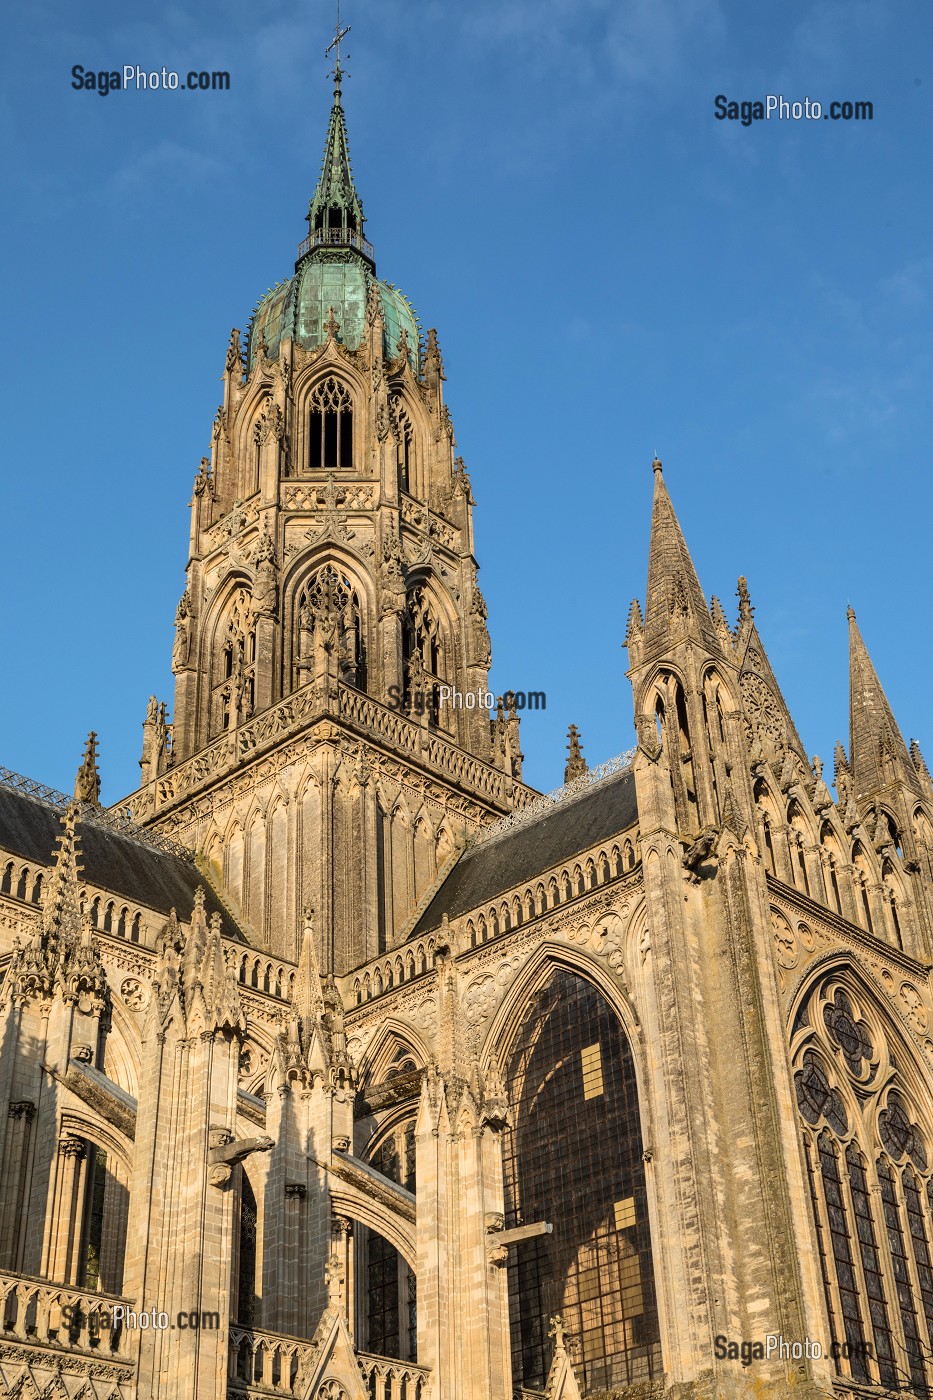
(328, 611)
(246, 1254)
(872, 1211)
(330, 428)
(406, 453)
(861, 880)
(897, 1247)
(423, 657)
(98, 1211)
(255, 452)
(235, 666)
(573, 1157)
(391, 1287)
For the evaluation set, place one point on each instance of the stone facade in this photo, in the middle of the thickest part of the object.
(337, 1064)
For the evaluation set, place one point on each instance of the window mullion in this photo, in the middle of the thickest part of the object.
(859, 1264)
(824, 1241)
(889, 1268)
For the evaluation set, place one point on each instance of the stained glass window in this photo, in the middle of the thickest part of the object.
(391, 1286)
(873, 1218)
(573, 1158)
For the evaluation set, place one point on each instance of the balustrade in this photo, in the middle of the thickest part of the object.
(394, 1380)
(39, 1313)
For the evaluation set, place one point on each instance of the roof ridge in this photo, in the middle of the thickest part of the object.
(116, 819)
(548, 803)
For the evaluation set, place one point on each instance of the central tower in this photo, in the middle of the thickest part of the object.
(331, 576)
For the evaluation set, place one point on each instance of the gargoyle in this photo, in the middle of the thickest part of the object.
(700, 850)
(223, 1158)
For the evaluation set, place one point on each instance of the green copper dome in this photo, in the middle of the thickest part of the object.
(335, 270)
(300, 308)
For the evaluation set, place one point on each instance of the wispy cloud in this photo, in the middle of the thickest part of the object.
(164, 170)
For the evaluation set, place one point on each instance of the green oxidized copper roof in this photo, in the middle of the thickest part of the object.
(335, 188)
(335, 268)
(299, 308)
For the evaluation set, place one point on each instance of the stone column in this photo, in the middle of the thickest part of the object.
(290, 1312)
(17, 1154)
(65, 1217)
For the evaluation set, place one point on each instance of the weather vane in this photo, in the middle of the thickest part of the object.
(334, 46)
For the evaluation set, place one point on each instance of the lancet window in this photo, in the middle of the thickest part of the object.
(406, 453)
(330, 428)
(862, 876)
(246, 1254)
(329, 618)
(830, 855)
(90, 1208)
(391, 1317)
(673, 730)
(235, 666)
(871, 1190)
(423, 657)
(573, 1158)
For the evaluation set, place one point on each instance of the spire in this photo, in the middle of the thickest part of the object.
(87, 783)
(877, 753)
(36, 965)
(674, 603)
(923, 771)
(335, 214)
(307, 1000)
(576, 763)
(61, 906)
(721, 623)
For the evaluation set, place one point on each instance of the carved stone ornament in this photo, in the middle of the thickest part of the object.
(785, 940)
(764, 722)
(182, 639)
(331, 1390)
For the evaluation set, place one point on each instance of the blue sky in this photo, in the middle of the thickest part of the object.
(612, 272)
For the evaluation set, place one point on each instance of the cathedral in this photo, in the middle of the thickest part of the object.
(339, 1064)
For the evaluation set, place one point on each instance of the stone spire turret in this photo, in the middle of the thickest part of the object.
(878, 756)
(335, 214)
(576, 764)
(674, 603)
(87, 783)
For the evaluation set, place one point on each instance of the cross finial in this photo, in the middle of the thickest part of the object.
(334, 47)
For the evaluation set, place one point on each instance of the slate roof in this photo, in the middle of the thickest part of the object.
(120, 864)
(519, 856)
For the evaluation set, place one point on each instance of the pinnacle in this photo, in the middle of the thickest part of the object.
(61, 913)
(918, 759)
(878, 753)
(576, 764)
(674, 594)
(87, 783)
(335, 214)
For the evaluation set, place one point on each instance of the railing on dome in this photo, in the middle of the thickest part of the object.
(339, 237)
